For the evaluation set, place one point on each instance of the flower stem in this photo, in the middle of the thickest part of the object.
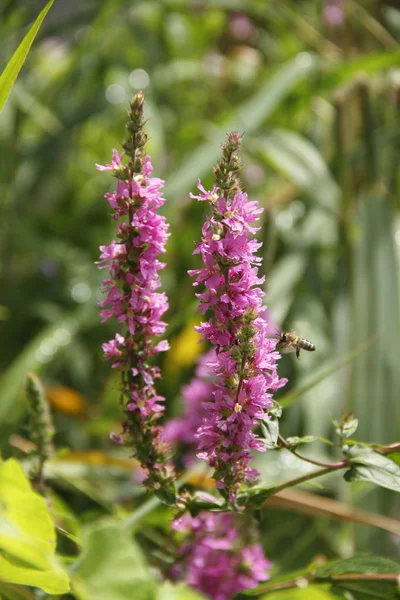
(318, 463)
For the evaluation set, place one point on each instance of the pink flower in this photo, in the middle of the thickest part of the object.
(132, 299)
(246, 361)
(215, 558)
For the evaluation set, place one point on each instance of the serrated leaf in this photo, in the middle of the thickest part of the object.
(111, 566)
(368, 465)
(27, 535)
(15, 63)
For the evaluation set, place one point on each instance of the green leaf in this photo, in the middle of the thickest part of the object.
(295, 441)
(27, 536)
(10, 73)
(368, 465)
(270, 430)
(346, 426)
(362, 563)
(247, 118)
(335, 572)
(111, 566)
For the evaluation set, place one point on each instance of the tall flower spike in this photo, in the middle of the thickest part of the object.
(132, 299)
(246, 360)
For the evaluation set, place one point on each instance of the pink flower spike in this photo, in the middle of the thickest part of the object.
(133, 300)
(245, 366)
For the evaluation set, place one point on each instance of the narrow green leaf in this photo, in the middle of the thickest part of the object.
(10, 73)
(371, 466)
(247, 118)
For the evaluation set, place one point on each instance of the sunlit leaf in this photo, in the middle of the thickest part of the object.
(371, 466)
(27, 536)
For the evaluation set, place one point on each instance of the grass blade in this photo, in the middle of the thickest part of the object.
(10, 73)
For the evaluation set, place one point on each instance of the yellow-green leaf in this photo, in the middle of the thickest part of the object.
(27, 535)
(111, 566)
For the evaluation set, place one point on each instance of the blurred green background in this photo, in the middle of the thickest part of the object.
(315, 88)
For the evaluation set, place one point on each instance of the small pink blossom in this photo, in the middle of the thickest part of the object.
(215, 558)
(245, 367)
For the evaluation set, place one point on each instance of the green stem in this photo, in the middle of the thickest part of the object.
(313, 475)
(312, 461)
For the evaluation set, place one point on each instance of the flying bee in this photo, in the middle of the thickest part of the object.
(289, 341)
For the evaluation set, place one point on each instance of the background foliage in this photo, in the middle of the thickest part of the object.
(318, 101)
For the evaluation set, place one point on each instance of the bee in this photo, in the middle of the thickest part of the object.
(289, 341)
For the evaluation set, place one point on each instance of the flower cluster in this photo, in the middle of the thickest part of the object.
(214, 558)
(132, 297)
(246, 360)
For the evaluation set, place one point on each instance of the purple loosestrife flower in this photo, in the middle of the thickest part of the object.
(215, 559)
(133, 300)
(246, 360)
